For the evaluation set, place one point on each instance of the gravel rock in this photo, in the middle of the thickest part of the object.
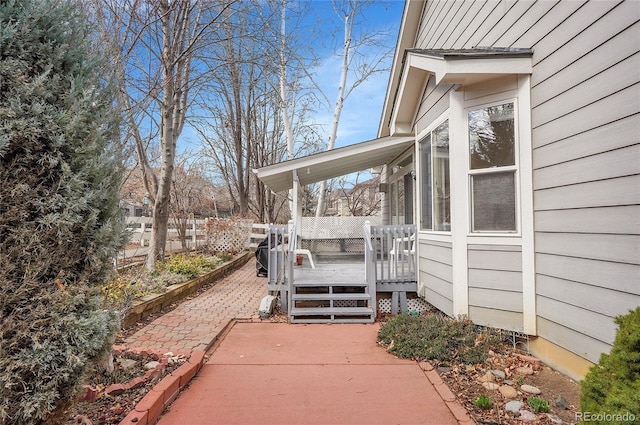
(524, 371)
(562, 403)
(508, 391)
(127, 364)
(151, 365)
(487, 377)
(554, 418)
(499, 374)
(490, 385)
(530, 389)
(514, 406)
(527, 416)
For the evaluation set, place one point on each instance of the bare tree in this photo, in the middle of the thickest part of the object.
(157, 45)
(244, 127)
(192, 195)
(235, 92)
(361, 197)
(361, 57)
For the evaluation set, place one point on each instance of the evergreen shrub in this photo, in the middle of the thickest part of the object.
(435, 337)
(611, 390)
(60, 223)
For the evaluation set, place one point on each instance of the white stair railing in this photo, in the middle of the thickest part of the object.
(291, 259)
(277, 267)
(370, 266)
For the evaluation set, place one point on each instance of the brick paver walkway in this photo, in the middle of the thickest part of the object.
(196, 323)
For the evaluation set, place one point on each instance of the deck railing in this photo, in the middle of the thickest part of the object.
(291, 258)
(276, 266)
(389, 257)
(369, 262)
(394, 252)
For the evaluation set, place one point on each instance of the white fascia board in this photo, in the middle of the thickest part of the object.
(410, 89)
(325, 164)
(466, 71)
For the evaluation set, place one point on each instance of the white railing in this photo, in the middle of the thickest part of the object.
(394, 254)
(140, 229)
(259, 232)
(292, 258)
(277, 266)
(370, 264)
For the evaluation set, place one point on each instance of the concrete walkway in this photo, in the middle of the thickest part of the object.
(275, 373)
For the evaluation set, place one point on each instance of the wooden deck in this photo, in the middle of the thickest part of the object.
(330, 273)
(342, 286)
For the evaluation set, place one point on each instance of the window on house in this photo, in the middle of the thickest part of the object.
(492, 168)
(400, 201)
(408, 198)
(393, 203)
(435, 180)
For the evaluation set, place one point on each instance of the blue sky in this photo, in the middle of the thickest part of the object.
(361, 114)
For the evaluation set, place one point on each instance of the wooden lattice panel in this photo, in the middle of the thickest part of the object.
(335, 227)
(228, 235)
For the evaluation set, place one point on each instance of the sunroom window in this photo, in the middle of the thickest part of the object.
(435, 184)
(492, 168)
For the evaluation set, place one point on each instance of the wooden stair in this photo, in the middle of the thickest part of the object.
(335, 302)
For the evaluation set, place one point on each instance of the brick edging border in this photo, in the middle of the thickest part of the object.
(156, 302)
(458, 411)
(149, 409)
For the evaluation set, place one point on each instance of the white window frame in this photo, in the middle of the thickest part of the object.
(424, 133)
(495, 170)
(397, 174)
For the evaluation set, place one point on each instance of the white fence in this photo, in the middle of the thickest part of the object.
(140, 229)
(323, 229)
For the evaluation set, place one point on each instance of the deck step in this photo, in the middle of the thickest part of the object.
(331, 311)
(307, 284)
(345, 319)
(335, 297)
(331, 315)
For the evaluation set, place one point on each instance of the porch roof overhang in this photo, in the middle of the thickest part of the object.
(468, 66)
(334, 163)
(450, 67)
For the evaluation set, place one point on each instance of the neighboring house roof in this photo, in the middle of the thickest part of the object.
(334, 163)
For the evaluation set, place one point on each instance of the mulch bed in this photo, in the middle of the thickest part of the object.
(466, 383)
(111, 396)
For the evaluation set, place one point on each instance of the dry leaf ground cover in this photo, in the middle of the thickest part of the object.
(484, 370)
(110, 396)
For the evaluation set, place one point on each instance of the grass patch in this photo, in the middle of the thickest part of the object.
(539, 404)
(436, 337)
(483, 402)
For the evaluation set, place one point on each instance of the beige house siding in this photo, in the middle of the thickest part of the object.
(436, 274)
(585, 112)
(495, 286)
(435, 101)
